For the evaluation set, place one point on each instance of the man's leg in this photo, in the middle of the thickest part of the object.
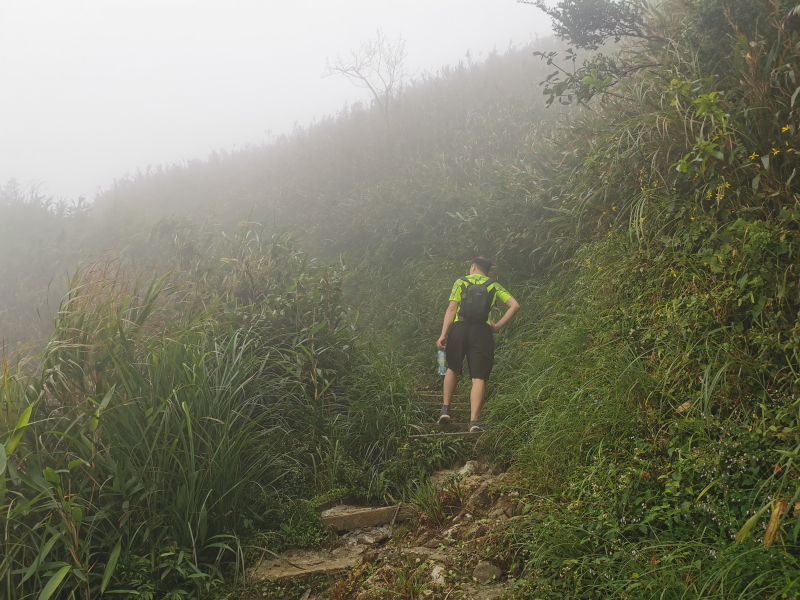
(476, 398)
(455, 359)
(450, 381)
(481, 360)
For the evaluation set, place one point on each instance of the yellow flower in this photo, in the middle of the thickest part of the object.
(775, 151)
(613, 208)
(753, 156)
(786, 128)
(727, 185)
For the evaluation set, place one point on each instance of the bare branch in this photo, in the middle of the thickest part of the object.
(377, 66)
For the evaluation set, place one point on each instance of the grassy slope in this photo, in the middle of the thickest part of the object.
(199, 411)
(648, 387)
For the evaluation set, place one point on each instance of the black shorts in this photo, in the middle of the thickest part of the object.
(476, 342)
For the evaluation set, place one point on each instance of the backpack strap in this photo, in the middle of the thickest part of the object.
(487, 283)
(466, 280)
(493, 293)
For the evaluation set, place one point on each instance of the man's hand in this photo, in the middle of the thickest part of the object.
(441, 342)
(513, 307)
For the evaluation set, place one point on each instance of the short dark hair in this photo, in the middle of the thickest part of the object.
(484, 264)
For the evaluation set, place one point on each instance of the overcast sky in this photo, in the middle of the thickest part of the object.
(92, 89)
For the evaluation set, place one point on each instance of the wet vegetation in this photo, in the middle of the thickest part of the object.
(211, 376)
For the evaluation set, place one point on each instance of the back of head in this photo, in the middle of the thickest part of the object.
(483, 264)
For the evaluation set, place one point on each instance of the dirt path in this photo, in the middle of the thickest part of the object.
(454, 552)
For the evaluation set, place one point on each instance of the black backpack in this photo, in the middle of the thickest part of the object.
(476, 301)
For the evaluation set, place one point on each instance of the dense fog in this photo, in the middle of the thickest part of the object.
(96, 89)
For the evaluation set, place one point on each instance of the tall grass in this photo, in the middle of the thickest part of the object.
(167, 427)
(647, 390)
(146, 443)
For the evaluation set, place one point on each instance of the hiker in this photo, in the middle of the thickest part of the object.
(469, 331)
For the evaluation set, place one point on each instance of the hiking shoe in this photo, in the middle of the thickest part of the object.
(444, 416)
(476, 426)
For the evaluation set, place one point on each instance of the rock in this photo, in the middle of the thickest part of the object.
(471, 468)
(438, 478)
(478, 500)
(348, 518)
(368, 536)
(493, 471)
(499, 509)
(471, 483)
(486, 572)
(437, 576)
(448, 535)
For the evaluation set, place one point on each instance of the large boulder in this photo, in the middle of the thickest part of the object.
(486, 572)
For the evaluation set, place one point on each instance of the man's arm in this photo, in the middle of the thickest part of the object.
(513, 307)
(448, 319)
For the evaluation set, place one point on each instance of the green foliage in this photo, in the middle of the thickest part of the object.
(648, 389)
(591, 23)
(655, 401)
(425, 496)
(168, 432)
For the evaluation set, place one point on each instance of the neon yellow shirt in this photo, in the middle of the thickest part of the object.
(500, 293)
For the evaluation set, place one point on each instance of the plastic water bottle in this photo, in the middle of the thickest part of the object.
(441, 357)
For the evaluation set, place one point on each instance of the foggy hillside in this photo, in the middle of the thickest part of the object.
(353, 183)
(336, 181)
(253, 336)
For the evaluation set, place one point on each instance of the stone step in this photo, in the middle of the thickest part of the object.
(307, 563)
(348, 518)
(452, 435)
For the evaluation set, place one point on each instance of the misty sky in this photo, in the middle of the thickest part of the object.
(92, 89)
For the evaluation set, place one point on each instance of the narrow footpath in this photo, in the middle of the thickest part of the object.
(448, 547)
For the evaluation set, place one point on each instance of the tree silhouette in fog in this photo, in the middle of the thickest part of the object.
(377, 65)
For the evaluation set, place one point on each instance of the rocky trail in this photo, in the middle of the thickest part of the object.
(450, 545)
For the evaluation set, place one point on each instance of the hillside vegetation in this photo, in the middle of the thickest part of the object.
(202, 392)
